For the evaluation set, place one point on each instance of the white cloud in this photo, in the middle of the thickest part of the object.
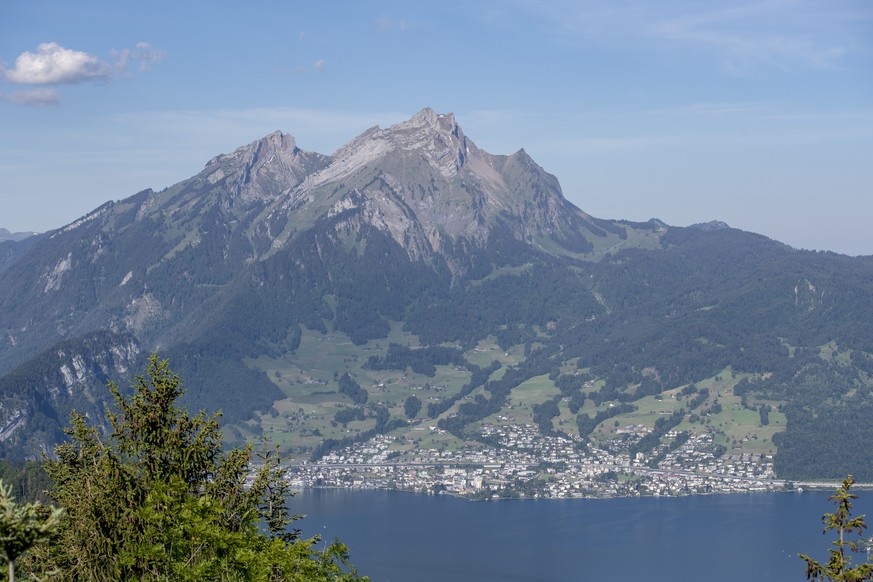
(35, 97)
(53, 64)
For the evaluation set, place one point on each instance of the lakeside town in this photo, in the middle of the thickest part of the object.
(519, 461)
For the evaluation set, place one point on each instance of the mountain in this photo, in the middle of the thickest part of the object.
(38, 398)
(14, 236)
(13, 245)
(11, 250)
(161, 265)
(309, 296)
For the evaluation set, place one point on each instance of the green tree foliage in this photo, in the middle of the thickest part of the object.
(543, 414)
(839, 567)
(22, 527)
(411, 406)
(158, 499)
(422, 360)
(764, 413)
(350, 387)
(571, 387)
(700, 398)
(28, 480)
(662, 426)
(586, 424)
(347, 415)
(479, 376)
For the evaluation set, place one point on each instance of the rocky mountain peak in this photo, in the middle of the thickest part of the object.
(427, 185)
(267, 145)
(428, 119)
(438, 137)
(263, 168)
(427, 136)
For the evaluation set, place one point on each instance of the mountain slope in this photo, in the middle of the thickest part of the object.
(36, 399)
(145, 264)
(428, 185)
(275, 272)
(5, 235)
(12, 250)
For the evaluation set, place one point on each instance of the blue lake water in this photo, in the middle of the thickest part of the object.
(405, 537)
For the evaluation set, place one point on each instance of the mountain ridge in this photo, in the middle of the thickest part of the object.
(6, 235)
(246, 271)
(245, 206)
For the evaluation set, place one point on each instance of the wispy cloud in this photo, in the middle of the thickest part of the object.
(701, 126)
(40, 97)
(711, 110)
(774, 33)
(317, 66)
(742, 35)
(145, 56)
(384, 23)
(586, 145)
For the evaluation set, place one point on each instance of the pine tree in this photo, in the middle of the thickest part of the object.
(158, 499)
(839, 566)
(22, 527)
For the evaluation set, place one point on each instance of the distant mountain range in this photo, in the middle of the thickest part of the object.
(14, 236)
(275, 272)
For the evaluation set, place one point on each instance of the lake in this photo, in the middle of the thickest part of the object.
(405, 537)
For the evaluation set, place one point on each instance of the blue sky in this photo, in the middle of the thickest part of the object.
(757, 113)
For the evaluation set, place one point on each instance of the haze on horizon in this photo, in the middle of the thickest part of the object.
(756, 113)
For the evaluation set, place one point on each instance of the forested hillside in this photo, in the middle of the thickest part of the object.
(317, 298)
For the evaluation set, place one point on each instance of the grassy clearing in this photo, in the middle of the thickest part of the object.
(566, 421)
(735, 426)
(612, 244)
(519, 409)
(502, 271)
(533, 391)
(309, 379)
(487, 350)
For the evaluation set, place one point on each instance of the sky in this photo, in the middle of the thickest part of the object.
(758, 113)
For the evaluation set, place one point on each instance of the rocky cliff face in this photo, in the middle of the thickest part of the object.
(428, 185)
(36, 399)
(262, 170)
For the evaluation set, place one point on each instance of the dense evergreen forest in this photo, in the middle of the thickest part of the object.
(28, 480)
